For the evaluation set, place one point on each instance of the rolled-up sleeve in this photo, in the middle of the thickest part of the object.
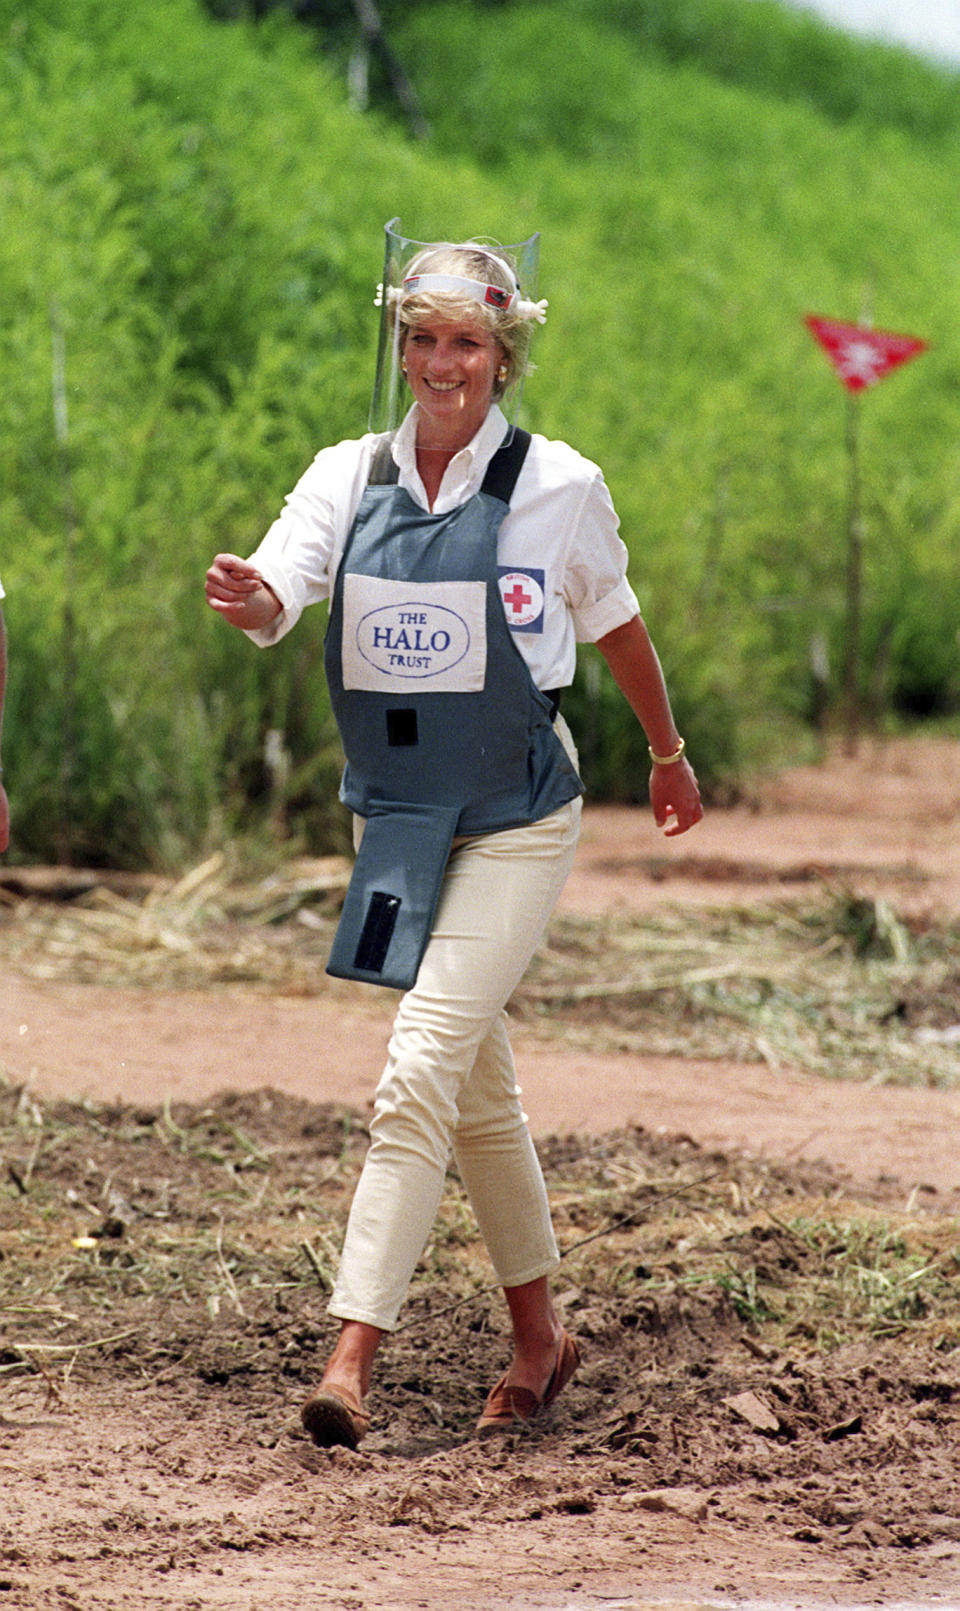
(598, 593)
(298, 555)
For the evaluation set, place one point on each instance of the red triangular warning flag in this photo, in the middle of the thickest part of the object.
(861, 355)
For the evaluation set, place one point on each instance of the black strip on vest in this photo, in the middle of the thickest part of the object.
(377, 932)
(402, 727)
(384, 471)
(505, 466)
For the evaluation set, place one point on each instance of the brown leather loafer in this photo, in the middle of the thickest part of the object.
(506, 1406)
(333, 1416)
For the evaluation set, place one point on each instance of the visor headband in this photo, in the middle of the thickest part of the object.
(492, 296)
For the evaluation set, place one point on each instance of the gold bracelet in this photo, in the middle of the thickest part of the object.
(667, 760)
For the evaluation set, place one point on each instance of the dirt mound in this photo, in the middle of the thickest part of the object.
(769, 1395)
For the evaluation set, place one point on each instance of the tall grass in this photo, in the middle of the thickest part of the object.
(697, 223)
(200, 208)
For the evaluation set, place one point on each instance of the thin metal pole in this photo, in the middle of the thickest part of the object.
(68, 750)
(854, 599)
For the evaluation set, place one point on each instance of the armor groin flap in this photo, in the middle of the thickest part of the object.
(393, 893)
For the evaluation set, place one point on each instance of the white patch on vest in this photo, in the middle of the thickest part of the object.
(396, 633)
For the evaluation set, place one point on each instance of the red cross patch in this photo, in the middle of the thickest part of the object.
(522, 593)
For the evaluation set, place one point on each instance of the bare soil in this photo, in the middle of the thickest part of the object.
(739, 1059)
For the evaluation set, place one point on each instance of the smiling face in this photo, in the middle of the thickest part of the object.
(451, 366)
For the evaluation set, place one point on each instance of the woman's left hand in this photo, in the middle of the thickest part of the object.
(675, 797)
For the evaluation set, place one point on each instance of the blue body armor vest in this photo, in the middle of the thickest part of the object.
(444, 730)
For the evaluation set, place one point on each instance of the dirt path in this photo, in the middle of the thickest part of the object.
(84, 1041)
(155, 1470)
(887, 824)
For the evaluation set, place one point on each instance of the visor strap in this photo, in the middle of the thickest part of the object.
(494, 296)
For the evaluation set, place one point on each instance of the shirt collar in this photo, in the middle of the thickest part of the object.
(467, 466)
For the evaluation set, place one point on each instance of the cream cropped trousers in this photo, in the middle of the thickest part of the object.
(450, 1085)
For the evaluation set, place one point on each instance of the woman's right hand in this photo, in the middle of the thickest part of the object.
(237, 591)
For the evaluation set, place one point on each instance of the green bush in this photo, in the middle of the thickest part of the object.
(198, 223)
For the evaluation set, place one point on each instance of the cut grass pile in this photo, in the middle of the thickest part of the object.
(833, 983)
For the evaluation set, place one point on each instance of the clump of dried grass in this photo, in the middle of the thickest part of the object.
(838, 986)
(210, 927)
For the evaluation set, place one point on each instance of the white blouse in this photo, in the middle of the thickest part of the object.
(562, 563)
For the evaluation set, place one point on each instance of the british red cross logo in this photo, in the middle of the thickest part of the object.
(522, 592)
(517, 599)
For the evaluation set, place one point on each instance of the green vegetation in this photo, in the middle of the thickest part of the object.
(193, 216)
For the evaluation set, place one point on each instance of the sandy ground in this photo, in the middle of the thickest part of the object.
(130, 1491)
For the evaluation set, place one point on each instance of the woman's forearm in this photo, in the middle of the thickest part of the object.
(636, 670)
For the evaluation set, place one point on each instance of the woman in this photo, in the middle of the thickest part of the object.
(453, 530)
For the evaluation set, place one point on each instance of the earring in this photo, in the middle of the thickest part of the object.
(502, 373)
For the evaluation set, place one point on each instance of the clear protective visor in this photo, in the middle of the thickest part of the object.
(408, 272)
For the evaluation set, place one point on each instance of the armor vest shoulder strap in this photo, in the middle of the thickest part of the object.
(384, 470)
(505, 466)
